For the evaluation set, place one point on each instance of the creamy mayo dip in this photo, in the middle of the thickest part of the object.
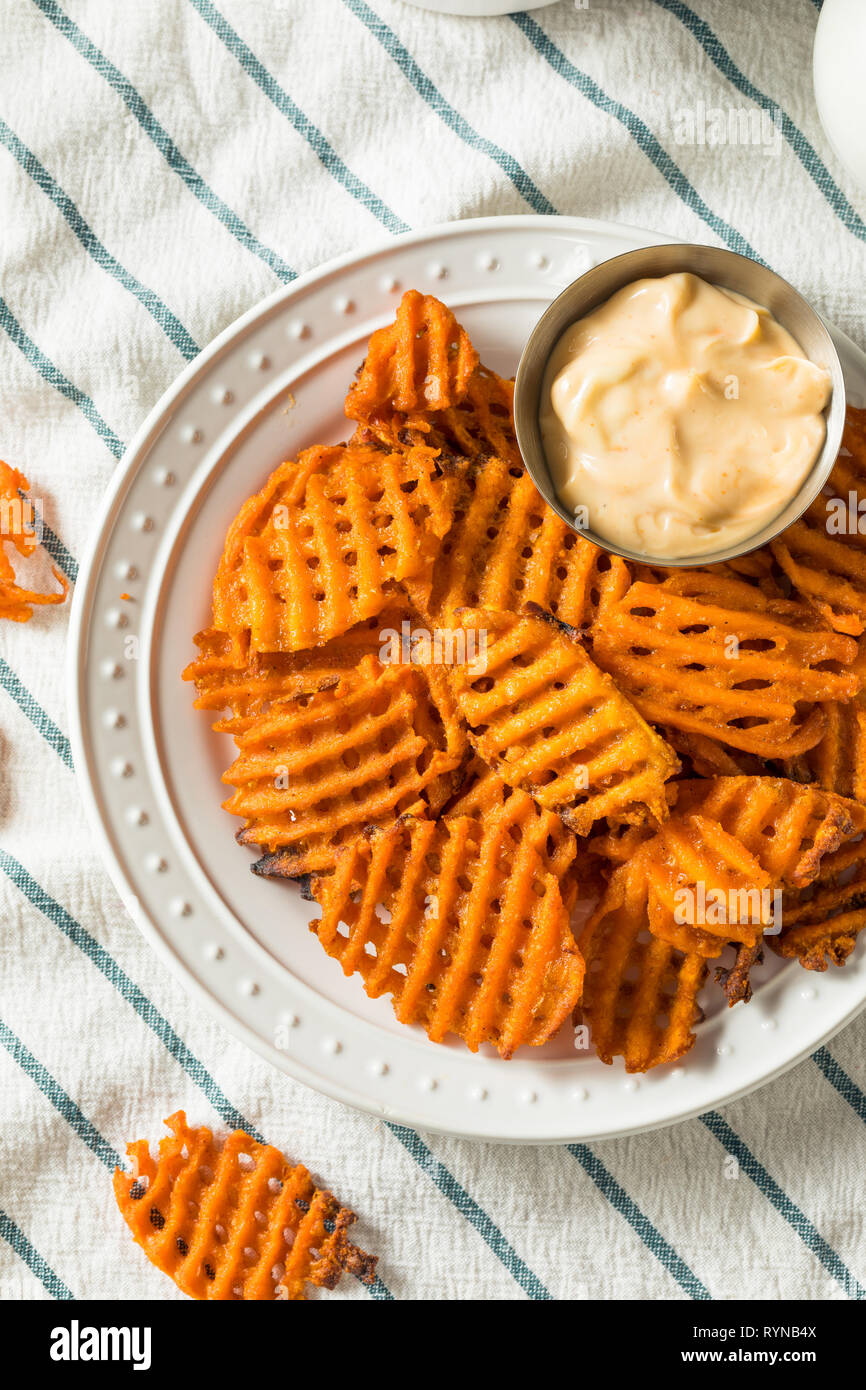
(681, 416)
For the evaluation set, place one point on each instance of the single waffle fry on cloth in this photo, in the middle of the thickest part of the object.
(324, 544)
(422, 362)
(506, 548)
(234, 1219)
(823, 554)
(546, 719)
(788, 827)
(460, 923)
(640, 996)
(820, 924)
(315, 770)
(229, 677)
(18, 529)
(718, 657)
(704, 887)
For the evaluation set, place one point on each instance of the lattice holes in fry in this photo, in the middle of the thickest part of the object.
(485, 795)
(717, 657)
(546, 719)
(234, 1220)
(640, 995)
(323, 544)
(316, 769)
(460, 923)
(507, 548)
(824, 553)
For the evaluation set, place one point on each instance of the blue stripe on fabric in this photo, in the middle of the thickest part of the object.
(445, 111)
(796, 1219)
(805, 152)
(134, 996)
(163, 141)
(159, 312)
(301, 122)
(414, 1145)
(841, 1081)
(26, 1252)
(652, 1238)
(63, 558)
(63, 1104)
(468, 1207)
(147, 1011)
(128, 989)
(47, 370)
(638, 129)
(27, 703)
(439, 1175)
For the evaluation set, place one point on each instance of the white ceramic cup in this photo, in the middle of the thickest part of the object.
(840, 82)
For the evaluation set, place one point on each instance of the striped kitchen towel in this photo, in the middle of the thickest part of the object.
(163, 167)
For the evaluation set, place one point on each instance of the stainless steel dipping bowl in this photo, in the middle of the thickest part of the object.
(729, 271)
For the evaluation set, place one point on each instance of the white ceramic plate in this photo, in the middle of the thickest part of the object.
(149, 764)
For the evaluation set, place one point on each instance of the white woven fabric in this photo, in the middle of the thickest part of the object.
(150, 158)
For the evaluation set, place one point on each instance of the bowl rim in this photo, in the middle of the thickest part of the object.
(604, 280)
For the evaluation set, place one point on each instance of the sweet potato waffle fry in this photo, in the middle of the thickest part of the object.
(704, 887)
(16, 602)
(421, 383)
(324, 543)
(481, 424)
(640, 994)
(234, 1220)
(461, 923)
(420, 363)
(824, 553)
(546, 719)
(485, 795)
(432, 798)
(315, 770)
(789, 828)
(717, 657)
(820, 925)
(245, 684)
(838, 762)
(506, 548)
